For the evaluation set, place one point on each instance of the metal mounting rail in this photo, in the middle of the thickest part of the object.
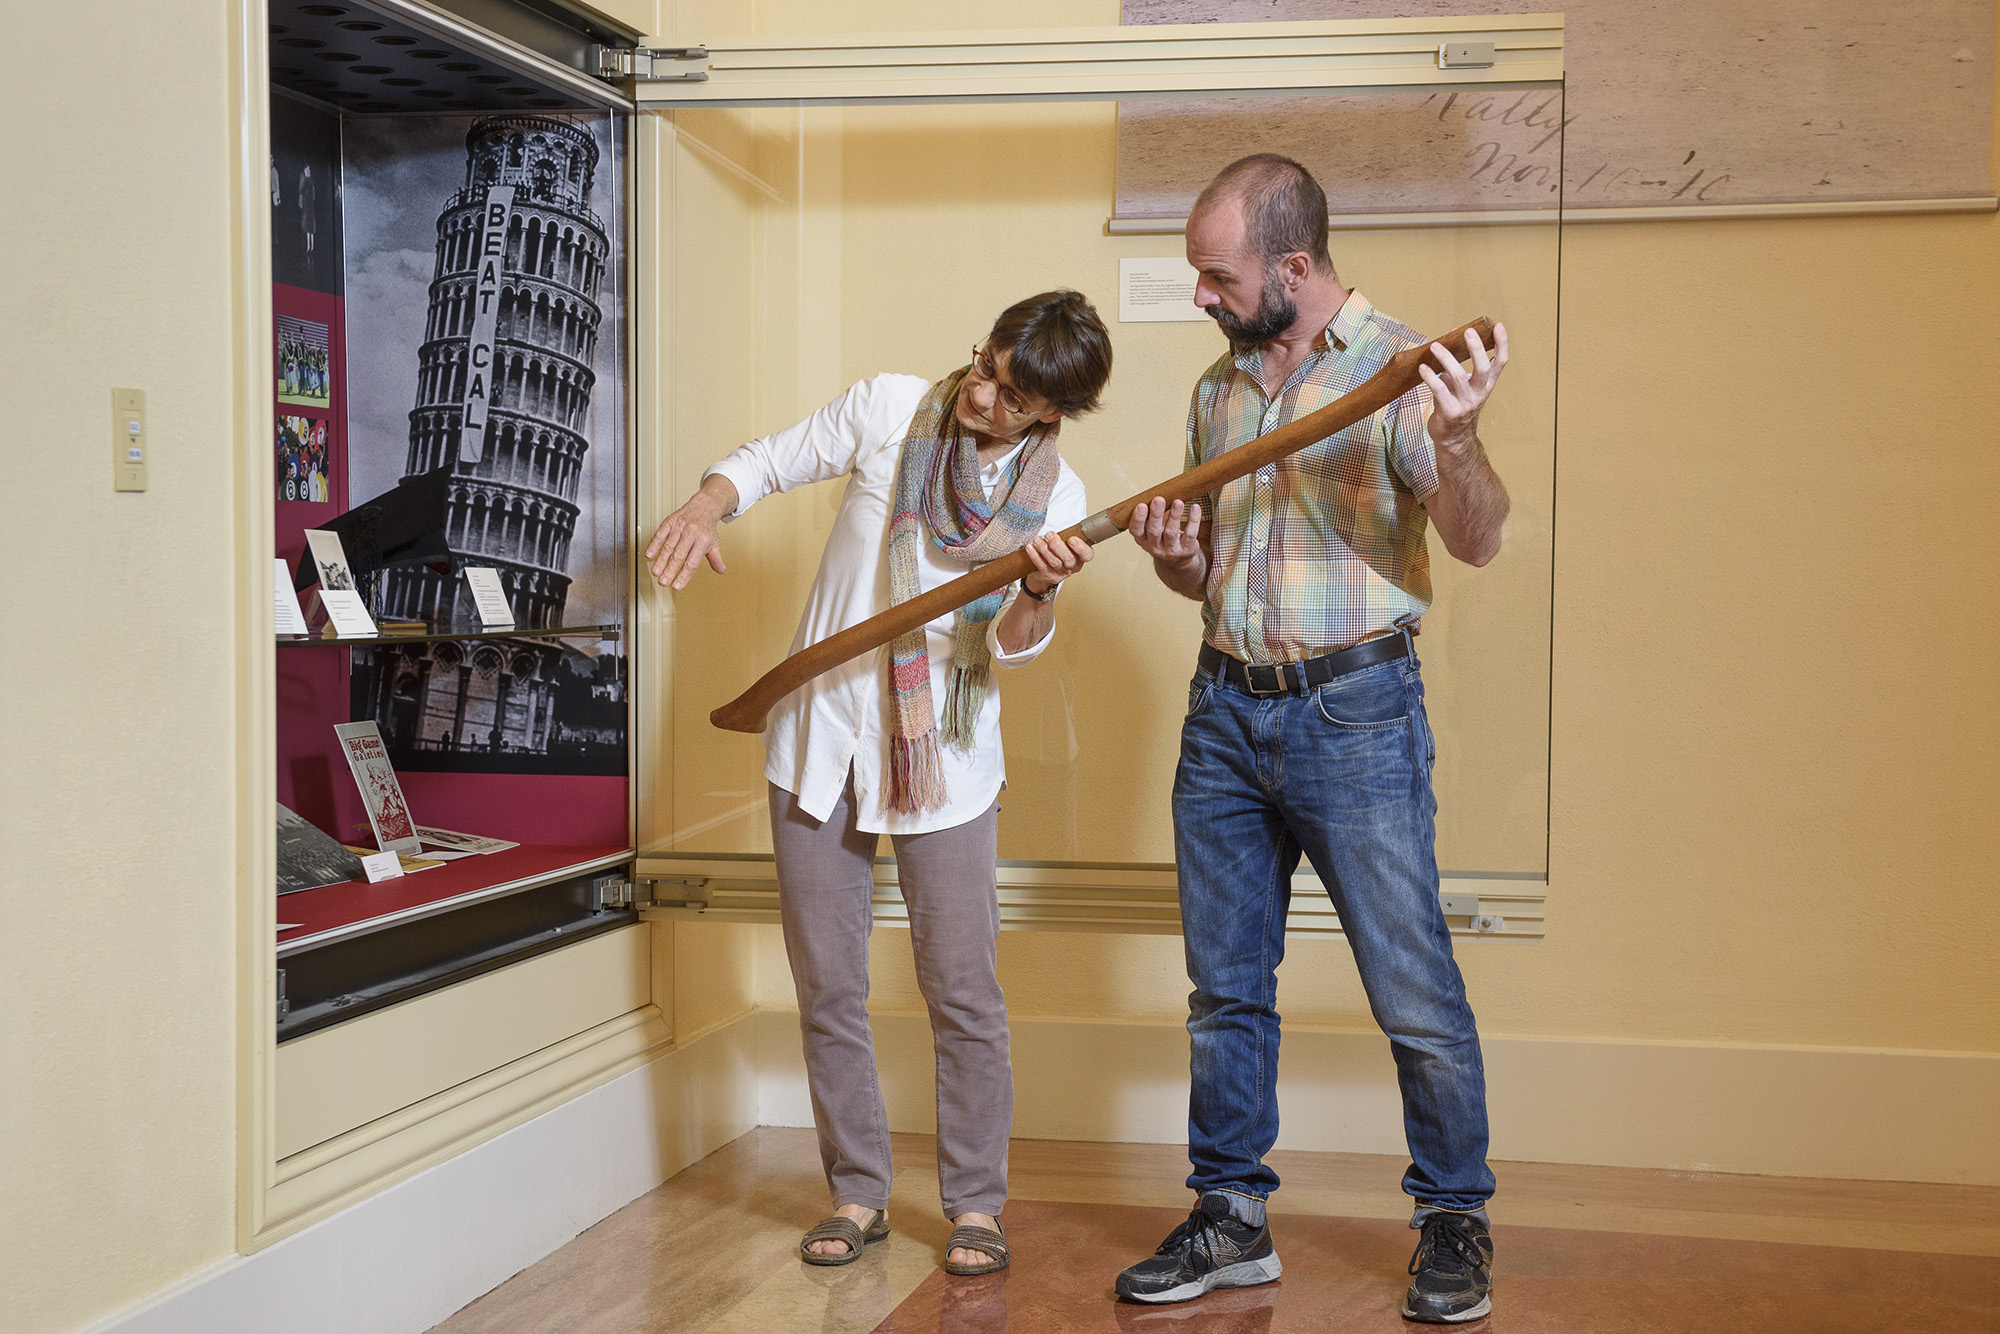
(1140, 898)
(1084, 64)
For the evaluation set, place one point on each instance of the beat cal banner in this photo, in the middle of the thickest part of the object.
(485, 318)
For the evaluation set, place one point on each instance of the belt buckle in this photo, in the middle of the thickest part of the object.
(1276, 671)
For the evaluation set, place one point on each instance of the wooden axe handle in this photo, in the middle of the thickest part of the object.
(746, 713)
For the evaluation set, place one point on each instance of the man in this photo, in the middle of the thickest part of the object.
(941, 476)
(1306, 731)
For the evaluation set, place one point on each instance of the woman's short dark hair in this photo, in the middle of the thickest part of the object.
(1057, 347)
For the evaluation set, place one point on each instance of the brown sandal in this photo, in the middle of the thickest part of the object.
(837, 1228)
(971, 1237)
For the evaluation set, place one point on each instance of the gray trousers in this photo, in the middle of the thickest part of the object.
(825, 880)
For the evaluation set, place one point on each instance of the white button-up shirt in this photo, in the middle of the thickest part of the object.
(839, 722)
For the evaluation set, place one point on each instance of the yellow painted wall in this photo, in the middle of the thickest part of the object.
(117, 841)
(1774, 622)
(641, 14)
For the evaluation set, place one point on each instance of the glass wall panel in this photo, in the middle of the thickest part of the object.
(814, 248)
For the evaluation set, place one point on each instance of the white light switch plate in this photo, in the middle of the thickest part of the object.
(128, 440)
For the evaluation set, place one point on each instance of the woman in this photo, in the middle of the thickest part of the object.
(942, 476)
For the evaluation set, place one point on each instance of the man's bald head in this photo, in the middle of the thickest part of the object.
(1284, 210)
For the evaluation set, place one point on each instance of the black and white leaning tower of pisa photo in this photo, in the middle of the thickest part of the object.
(521, 287)
(534, 324)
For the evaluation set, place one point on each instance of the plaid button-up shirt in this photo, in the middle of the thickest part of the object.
(1324, 548)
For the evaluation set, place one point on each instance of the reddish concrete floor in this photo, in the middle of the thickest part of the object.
(1348, 1274)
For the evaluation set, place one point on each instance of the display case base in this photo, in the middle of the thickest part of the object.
(360, 947)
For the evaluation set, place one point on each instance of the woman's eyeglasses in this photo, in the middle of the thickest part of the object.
(985, 369)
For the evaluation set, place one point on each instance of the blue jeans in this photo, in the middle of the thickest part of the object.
(1342, 774)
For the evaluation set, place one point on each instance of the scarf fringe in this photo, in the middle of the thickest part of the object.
(916, 774)
(964, 697)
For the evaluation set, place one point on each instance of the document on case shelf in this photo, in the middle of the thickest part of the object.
(489, 596)
(291, 620)
(368, 761)
(433, 855)
(337, 593)
(290, 926)
(308, 857)
(1156, 291)
(453, 841)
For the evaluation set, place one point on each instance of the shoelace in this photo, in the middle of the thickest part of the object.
(1201, 1231)
(1447, 1232)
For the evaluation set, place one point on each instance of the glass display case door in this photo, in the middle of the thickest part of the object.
(845, 206)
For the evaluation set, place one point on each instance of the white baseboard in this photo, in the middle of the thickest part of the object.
(1780, 1111)
(402, 1260)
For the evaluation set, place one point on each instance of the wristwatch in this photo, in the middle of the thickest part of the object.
(1039, 597)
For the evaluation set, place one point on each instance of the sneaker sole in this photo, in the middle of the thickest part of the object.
(1459, 1317)
(1246, 1274)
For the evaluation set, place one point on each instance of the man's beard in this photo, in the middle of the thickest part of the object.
(1275, 313)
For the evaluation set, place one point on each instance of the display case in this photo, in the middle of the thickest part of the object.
(450, 278)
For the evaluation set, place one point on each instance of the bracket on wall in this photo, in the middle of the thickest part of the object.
(1466, 55)
(651, 64)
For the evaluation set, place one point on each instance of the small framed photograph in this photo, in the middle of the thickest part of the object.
(305, 364)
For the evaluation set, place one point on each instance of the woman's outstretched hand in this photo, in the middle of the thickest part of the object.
(688, 536)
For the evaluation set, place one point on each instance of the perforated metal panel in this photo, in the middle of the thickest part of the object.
(363, 59)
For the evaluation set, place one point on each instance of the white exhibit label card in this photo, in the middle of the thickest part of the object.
(291, 620)
(337, 593)
(485, 318)
(348, 613)
(1156, 291)
(380, 866)
(489, 596)
(368, 761)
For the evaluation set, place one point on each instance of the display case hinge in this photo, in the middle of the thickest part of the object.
(674, 891)
(284, 1002)
(610, 891)
(651, 64)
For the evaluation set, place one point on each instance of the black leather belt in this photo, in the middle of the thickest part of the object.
(1280, 678)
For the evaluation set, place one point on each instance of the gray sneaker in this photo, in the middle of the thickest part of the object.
(1453, 1268)
(1209, 1251)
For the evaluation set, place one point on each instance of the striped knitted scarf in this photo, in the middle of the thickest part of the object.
(939, 497)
